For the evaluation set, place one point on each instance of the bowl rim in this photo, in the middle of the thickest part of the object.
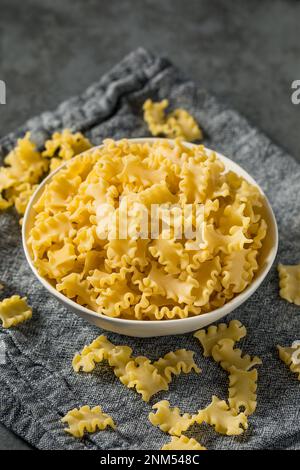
(228, 307)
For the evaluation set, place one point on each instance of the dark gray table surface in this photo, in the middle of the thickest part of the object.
(247, 53)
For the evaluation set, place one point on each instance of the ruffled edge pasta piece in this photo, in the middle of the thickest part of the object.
(145, 378)
(176, 362)
(91, 354)
(86, 419)
(225, 353)
(14, 310)
(177, 124)
(210, 337)
(224, 419)
(238, 269)
(242, 390)
(183, 443)
(135, 372)
(170, 420)
(289, 283)
(285, 354)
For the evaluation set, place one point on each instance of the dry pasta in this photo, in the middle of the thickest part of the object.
(224, 419)
(76, 242)
(286, 354)
(135, 372)
(178, 123)
(64, 146)
(242, 390)
(25, 166)
(289, 282)
(14, 310)
(183, 443)
(170, 420)
(227, 356)
(218, 342)
(86, 419)
(208, 339)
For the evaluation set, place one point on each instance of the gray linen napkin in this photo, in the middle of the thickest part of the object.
(37, 384)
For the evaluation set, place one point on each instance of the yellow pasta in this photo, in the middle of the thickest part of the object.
(242, 390)
(178, 123)
(26, 166)
(289, 282)
(208, 339)
(64, 146)
(170, 420)
(175, 362)
(227, 356)
(142, 230)
(91, 354)
(86, 419)
(145, 378)
(135, 372)
(224, 419)
(218, 342)
(289, 356)
(183, 443)
(14, 310)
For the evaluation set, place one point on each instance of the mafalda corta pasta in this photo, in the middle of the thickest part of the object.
(25, 166)
(178, 123)
(14, 310)
(291, 357)
(289, 282)
(148, 378)
(94, 242)
(86, 419)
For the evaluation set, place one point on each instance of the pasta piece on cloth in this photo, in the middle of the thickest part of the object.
(14, 310)
(183, 443)
(289, 283)
(208, 339)
(242, 390)
(224, 419)
(135, 372)
(170, 420)
(86, 419)
(287, 354)
(225, 353)
(178, 123)
(175, 362)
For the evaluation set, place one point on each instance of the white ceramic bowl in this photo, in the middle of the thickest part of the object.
(144, 328)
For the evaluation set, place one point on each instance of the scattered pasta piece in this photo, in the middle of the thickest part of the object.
(178, 123)
(173, 363)
(286, 355)
(76, 244)
(242, 390)
(224, 419)
(95, 352)
(296, 354)
(26, 166)
(183, 443)
(24, 169)
(289, 282)
(225, 353)
(145, 378)
(64, 146)
(208, 339)
(14, 310)
(170, 420)
(86, 419)
(135, 372)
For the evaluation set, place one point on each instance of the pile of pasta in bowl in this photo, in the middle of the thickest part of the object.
(148, 231)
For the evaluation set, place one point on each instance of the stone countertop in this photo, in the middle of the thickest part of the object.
(246, 53)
